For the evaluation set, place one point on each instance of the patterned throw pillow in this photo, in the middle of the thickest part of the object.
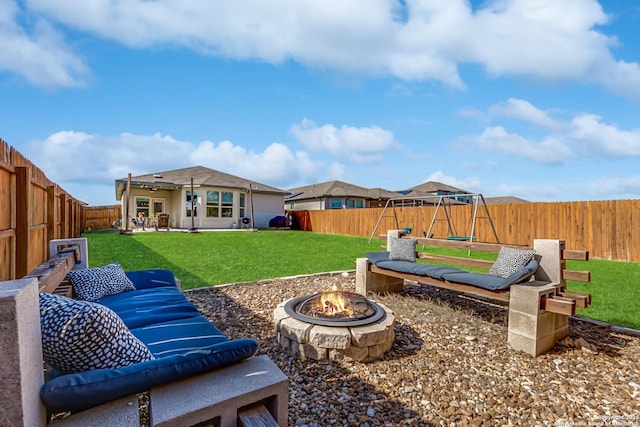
(80, 335)
(510, 260)
(91, 284)
(402, 249)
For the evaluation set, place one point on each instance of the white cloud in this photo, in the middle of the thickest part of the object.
(100, 159)
(360, 145)
(38, 54)
(548, 150)
(597, 138)
(523, 110)
(610, 187)
(584, 136)
(536, 38)
(469, 183)
(421, 40)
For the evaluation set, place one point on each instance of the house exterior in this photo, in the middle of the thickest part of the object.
(336, 195)
(217, 201)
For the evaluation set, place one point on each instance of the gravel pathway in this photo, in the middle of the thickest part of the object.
(449, 365)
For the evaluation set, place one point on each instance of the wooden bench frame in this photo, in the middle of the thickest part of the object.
(252, 392)
(538, 309)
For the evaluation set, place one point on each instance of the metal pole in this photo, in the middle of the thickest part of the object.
(192, 207)
(127, 202)
(251, 203)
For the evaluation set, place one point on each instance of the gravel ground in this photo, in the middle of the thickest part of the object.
(449, 365)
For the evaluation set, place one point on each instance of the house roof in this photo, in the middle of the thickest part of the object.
(202, 176)
(504, 200)
(338, 189)
(433, 187)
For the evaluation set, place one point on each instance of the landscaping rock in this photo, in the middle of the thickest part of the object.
(448, 365)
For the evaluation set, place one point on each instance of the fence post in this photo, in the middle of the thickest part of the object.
(63, 216)
(51, 214)
(23, 219)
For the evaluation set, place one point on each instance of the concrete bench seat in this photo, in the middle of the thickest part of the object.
(539, 303)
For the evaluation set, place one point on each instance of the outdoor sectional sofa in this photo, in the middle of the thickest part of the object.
(124, 333)
(181, 342)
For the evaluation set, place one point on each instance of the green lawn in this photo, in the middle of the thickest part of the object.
(214, 258)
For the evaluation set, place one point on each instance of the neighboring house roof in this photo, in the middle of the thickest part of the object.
(432, 187)
(202, 176)
(337, 189)
(504, 200)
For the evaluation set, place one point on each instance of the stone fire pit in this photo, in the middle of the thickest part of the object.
(320, 339)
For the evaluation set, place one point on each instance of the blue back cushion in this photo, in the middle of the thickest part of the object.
(152, 305)
(144, 279)
(76, 392)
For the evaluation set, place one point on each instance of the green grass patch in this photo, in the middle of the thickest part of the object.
(214, 258)
(614, 286)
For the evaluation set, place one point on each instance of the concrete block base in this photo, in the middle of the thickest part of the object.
(21, 354)
(122, 412)
(79, 243)
(367, 281)
(218, 396)
(531, 329)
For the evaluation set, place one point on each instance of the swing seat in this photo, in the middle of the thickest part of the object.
(462, 238)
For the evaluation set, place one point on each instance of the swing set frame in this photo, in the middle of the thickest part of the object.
(441, 202)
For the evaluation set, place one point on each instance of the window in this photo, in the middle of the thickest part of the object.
(158, 206)
(195, 202)
(355, 203)
(336, 204)
(142, 206)
(220, 204)
(241, 214)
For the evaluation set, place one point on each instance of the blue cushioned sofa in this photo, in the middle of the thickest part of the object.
(183, 342)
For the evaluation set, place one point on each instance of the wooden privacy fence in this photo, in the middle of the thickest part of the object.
(99, 217)
(33, 210)
(610, 229)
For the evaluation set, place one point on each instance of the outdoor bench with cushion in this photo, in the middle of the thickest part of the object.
(157, 337)
(125, 333)
(531, 280)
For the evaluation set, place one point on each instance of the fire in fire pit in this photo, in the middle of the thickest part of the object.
(334, 308)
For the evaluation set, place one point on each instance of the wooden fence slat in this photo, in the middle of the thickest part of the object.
(23, 220)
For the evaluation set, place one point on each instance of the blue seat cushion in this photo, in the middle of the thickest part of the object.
(479, 280)
(381, 259)
(76, 392)
(148, 306)
(179, 336)
(486, 281)
(494, 283)
(376, 257)
(145, 279)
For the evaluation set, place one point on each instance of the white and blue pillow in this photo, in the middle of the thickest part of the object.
(79, 336)
(402, 249)
(91, 284)
(510, 260)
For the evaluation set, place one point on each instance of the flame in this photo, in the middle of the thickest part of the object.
(334, 304)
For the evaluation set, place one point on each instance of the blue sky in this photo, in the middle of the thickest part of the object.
(537, 99)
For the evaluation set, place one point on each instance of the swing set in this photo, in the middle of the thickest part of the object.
(442, 204)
